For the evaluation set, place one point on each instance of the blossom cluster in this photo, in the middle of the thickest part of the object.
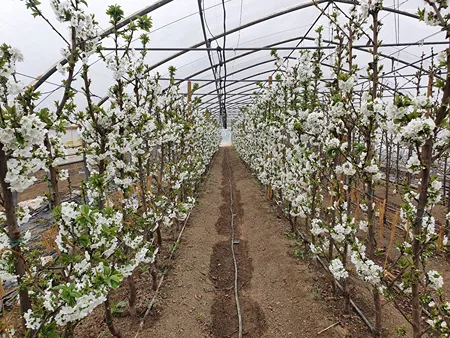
(146, 154)
(315, 158)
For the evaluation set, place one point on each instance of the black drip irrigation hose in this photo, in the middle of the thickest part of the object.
(233, 242)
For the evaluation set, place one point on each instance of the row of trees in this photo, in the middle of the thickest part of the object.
(145, 154)
(316, 146)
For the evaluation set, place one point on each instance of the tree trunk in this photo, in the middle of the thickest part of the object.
(345, 282)
(154, 274)
(377, 303)
(371, 245)
(417, 230)
(68, 331)
(109, 319)
(132, 297)
(54, 192)
(444, 184)
(158, 237)
(13, 231)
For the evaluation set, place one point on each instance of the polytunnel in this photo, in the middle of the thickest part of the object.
(196, 42)
(224, 168)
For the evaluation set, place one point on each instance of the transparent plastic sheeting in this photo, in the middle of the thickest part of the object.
(226, 138)
(177, 25)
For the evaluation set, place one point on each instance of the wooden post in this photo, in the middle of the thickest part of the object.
(189, 98)
(270, 81)
(429, 90)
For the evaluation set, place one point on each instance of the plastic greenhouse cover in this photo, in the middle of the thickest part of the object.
(177, 25)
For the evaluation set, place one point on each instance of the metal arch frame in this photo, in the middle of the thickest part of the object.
(235, 105)
(233, 90)
(238, 71)
(250, 84)
(358, 48)
(246, 99)
(230, 84)
(269, 46)
(160, 3)
(275, 15)
(240, 49)
(274, 80)
(209, 82)
(234, 30)
(361, 49)
(323, 64)
(269, 17)
(213, 104)
(237, 99)
(244, 94)
(238, 57)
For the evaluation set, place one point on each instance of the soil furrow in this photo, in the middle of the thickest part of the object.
(280, 295)
(223, 309)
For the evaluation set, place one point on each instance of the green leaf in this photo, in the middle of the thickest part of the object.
(57, 212)
(84, 240)
(107, 270)
(114, 281)
(115, 13)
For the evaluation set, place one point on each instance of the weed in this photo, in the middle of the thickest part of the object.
(118, 308)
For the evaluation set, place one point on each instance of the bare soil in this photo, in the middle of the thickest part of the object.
(279, 295)
(76, 176)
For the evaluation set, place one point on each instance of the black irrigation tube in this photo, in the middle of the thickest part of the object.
(306, 241)
(208, 43)
(352, 303)
(233, 253)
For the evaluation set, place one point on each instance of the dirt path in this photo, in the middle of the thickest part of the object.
(276, 291)
(185, 302)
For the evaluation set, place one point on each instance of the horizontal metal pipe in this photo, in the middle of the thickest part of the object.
(399, 76)
(230, 49)
(211, 80)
